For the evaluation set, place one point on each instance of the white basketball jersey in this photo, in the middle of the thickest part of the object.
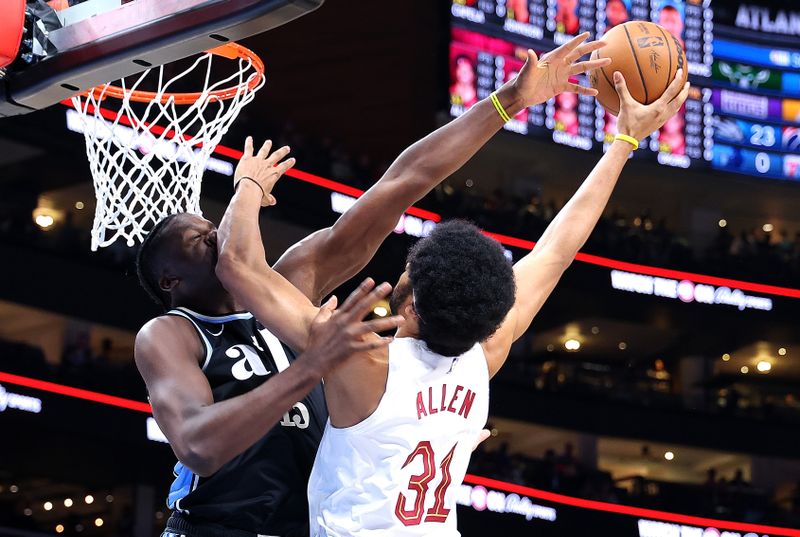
(397, 472)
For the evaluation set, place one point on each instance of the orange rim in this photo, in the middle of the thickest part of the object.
(231, 51)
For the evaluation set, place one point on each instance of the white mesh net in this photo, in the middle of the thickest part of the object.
(147, 159)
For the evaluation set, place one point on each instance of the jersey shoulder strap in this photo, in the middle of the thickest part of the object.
(201, 332)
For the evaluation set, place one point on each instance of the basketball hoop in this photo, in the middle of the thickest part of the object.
(148, 155)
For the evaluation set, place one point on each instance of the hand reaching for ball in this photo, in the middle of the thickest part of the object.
(545, 77)
(639, 120)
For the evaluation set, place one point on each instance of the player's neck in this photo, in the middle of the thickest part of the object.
(221, 303)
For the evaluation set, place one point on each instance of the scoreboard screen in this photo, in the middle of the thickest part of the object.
(743, 112)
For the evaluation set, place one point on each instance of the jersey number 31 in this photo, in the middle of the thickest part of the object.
(419, 484)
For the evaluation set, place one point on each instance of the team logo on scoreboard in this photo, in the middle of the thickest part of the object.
(791, 166)
(728, 129)
(744, 76)
(791, 139)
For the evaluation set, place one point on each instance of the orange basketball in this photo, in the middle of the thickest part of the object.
(646, 55)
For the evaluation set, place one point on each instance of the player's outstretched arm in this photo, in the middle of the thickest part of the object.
(329, 257)
(538, 272)
(242, 266)
(206, 435)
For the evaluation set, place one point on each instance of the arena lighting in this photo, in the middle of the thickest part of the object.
(572, 345)
(723, 223)
(13, 489)
(622, 345)
(380, 311)
(79, 205)
(764, 366)
(89, 499)
(48, 506)
(782, 351)
(669, 455)
(773, 531)
(44, 221)
(60, 528)
(68, 502)
(745, 370)
(768, 228)
(98, 522)
(726, 357)
(508, 240)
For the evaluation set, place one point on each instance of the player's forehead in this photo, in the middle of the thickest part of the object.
(186, 222)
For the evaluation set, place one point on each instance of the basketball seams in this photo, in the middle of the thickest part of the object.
(638, 67)
(603, 70)
(669, 52)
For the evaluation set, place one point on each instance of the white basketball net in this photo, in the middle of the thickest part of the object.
(148, 160)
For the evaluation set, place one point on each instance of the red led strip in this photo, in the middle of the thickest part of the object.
(626, 509)
(77, 393)
(130, 404)
(506, 239)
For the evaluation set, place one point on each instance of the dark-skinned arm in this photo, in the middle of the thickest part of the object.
(329, 257)
(206, 435)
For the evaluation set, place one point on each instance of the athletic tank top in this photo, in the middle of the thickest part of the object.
(397, 472)
(262, 490)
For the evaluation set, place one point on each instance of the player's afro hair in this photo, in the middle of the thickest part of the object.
(463, 287)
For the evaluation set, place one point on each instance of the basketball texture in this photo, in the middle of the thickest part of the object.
(646, 55)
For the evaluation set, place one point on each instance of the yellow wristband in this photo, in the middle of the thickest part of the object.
(499, 107)
(630, 139)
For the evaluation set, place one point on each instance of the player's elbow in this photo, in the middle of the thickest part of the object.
(229, 267)
(199, 458)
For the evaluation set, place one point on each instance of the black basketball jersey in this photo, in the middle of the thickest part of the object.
(264, 489)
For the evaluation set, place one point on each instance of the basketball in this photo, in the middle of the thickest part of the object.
(646, 54)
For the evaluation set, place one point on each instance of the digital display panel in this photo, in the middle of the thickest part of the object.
(743, 112)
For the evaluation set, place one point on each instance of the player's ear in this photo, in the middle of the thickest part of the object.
(167, 283)
(408, 311)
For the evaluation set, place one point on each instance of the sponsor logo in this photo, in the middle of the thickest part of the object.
(655, 528)
(687, 291)
(482, 499)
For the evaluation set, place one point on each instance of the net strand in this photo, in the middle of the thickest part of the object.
(154, 167)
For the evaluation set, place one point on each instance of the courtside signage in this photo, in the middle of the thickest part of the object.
(687, 291)
(481, 499)
(656, 528)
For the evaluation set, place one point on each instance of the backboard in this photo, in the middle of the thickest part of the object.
(73, 45)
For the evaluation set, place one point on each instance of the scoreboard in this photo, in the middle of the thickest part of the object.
(743, 111)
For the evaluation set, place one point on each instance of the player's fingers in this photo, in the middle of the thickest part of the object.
(278, 155)
(621, 86)
(380, 325)
(248, 147)
(284, 166)
(533, 59)
(677, 102)
(270, 201)
(570, 46)
(361, 308)
(672, 90)
(372, 343)
(585, 49)
(483, 435)
(326, 310)
(363, 288)
(264, 151)
(589, 65)
(583, 90)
